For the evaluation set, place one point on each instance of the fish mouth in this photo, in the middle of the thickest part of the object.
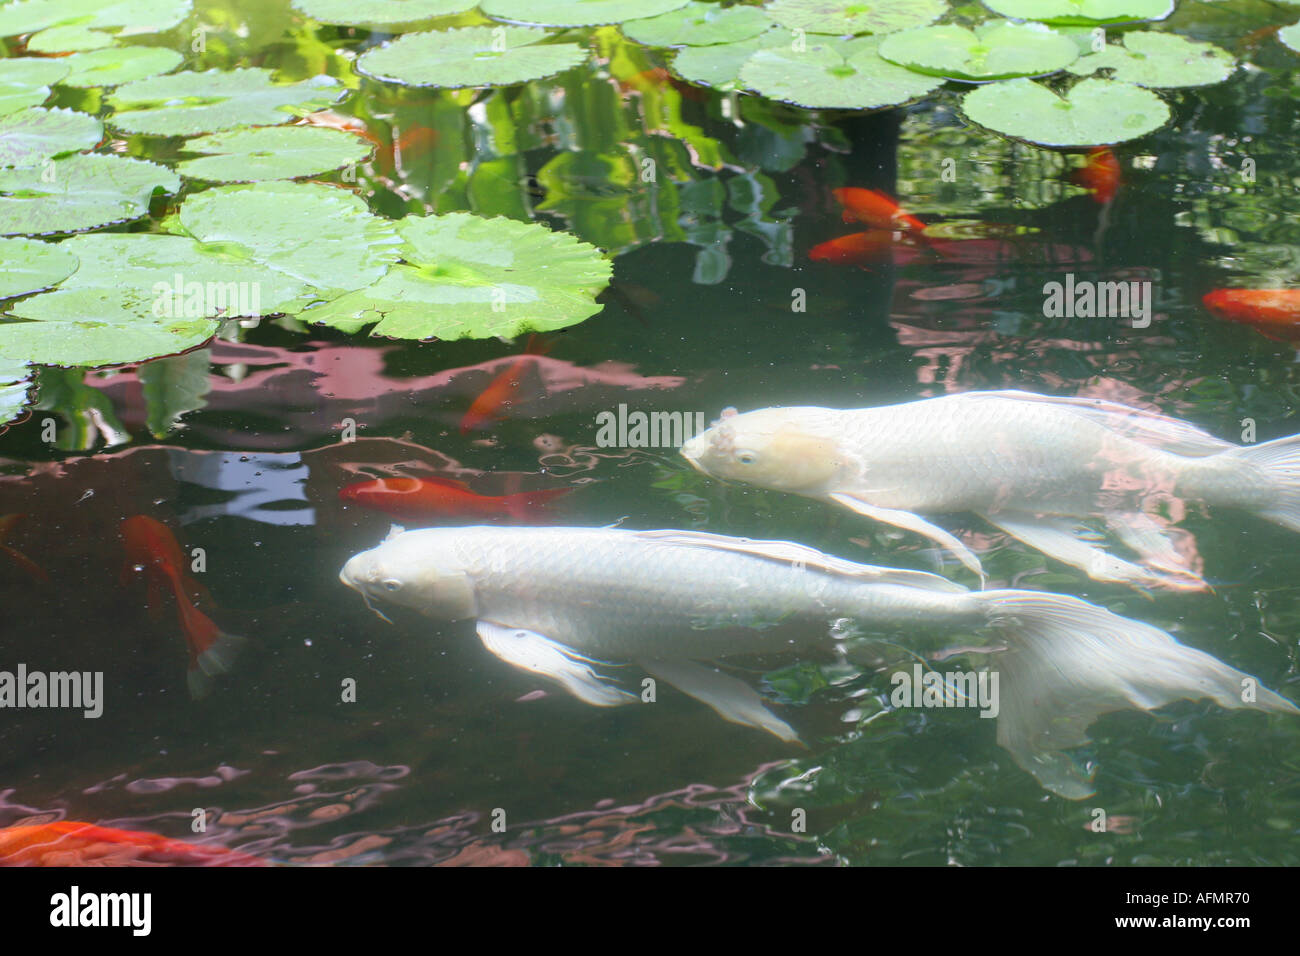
(692, 450)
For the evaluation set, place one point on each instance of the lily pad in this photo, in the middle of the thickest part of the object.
(271, 152)
(323, 236)
(79, 192)
(1093, 113)
(68, 39)
(26, 81)
(993, 51)
(1290, 36)
(845, 17)
(473, 56)
(719, 65)
(15, 384)
(182, 104)
(119, 64)
(468, 277)
(1148, 58)
(29, 265)
(379, 12)
(843, 74)
(1082, 12)
(136, 16)
(34, 134)
(698, 24)
(576, 13)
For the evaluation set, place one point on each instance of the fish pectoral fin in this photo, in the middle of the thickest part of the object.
(1156, 541)
(910, 522)
(1066, 541)
(732, 698)
(542, 655)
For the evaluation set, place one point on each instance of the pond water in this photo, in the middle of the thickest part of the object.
(241, 449)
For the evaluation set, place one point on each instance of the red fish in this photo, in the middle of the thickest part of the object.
(488, 407)
(1100, 175)
(74, 843)
(855, 249)
(152, 548)
(875, 209)
(417, 499)
(1271, 312)
(27, 564)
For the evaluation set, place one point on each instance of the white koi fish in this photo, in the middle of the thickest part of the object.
(564, 602)
(1033, 465)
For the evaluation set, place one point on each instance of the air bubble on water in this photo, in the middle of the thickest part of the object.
(243, 458)
(306, 641)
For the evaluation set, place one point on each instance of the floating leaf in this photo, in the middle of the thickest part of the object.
(473, 56)
(1290, 36)
(845, 17)
(576, 13)
(80, 192)
(468, 277)
(1155, 59)
(15, 383)
(119, 64)
(68, 39)
(993, 51)
(379, 12)
(719, 65)
(323, 236)
(835, 74)
(1094, 112)
(26, 81)
(182, 104)
(271, 152)
(173, 387)
(699, 24)
(138, 16)
(34, 134)
(29, 265)
(1082, 12)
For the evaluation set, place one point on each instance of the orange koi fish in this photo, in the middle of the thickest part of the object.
(875, 209)
(419, 499)
(27, 564)
(74, 843)
(488, 407)
(1274, 313)
(855, 249)
(1100, 175)
(152, 549)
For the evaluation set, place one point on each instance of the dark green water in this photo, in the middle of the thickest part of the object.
(708, 261)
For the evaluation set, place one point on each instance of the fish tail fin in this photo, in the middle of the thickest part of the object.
(1068, 661)
(212, 651)
(1279, 460)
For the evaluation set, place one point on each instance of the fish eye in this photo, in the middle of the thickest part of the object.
(392, 584)
(746, 457)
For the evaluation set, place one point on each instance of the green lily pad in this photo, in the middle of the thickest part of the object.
(79, 192)
(34, 134)
(173, 387)
(1155, 59)
(1082, 12)
(119, 64)
(15, 384)
(29, 265)
(137, 16)
(323, 236)
(272, 152)
(26, 81)
(68, 39)
(379, 12)
(845, 17)
(719, 65)
(844, 74)
(1290, 36)
(182, 104)
(1093, 113)
(468, 277)
(121, 305)
(473, 56)
(993, 51)
(576, 13)
(698, 24)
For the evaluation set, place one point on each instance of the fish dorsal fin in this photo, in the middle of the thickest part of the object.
(393, 531)
(787, 552)
(441, 482)
(1149, 428)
